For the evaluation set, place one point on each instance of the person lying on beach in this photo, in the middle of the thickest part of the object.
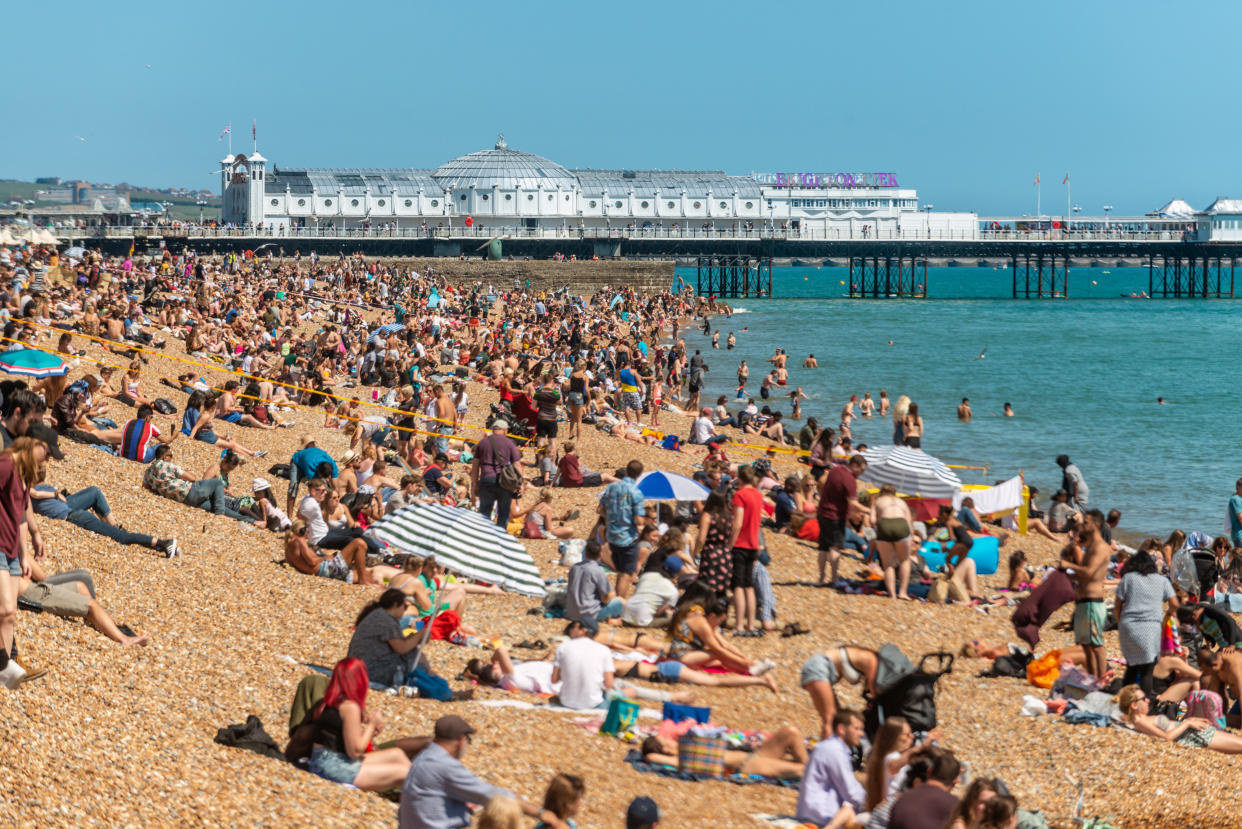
(72, 594)
(88, 509)
(783, 755)
(585, 671)
(1195, 732)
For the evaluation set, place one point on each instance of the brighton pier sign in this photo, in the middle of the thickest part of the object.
(827, 180)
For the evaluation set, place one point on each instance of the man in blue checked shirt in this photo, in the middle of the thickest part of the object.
(623, 517)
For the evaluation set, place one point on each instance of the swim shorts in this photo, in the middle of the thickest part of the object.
(819, 668)
(632, 400)
(232, 417)
(334, 568)
(62, 600)
(1090, 616)
(831, 534)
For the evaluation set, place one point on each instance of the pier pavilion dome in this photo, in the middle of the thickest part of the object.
(505, 182)
(505, 168)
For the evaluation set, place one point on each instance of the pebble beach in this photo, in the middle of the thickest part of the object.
(116, 736)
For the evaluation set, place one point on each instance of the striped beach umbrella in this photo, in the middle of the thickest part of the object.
(384, 331)
(32, 363)
(912, 471)
(464, 542)
(665, 486)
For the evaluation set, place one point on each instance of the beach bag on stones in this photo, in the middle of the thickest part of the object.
(164, 406)
(280, 470)
(701, 753)
(250, 736)
(944, 590)
(1208, 705)
(571, 550)
(912, 695)
(510, 478)
(554, 599)
(621, 716)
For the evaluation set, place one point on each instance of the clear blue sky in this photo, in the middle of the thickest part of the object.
(966, 101)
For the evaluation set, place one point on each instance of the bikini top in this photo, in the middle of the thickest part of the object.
(849, 673)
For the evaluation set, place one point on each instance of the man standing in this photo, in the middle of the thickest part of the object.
(747, 513)
(838, 496)
(1073, 483)
(1088, 569)
(547, 398)
(623, 517)
(1235, 514)
(446, 417)
(491, 455)
(829, 784)
(438, 787)
(632, 391)
(697, 369)
(963, 410)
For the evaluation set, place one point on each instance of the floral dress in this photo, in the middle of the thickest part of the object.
(716, 559)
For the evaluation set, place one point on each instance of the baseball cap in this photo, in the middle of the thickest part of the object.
(502, 425)
(673, 565)
(643, 811)
(587, 622)
(452, 727)
(45, 433)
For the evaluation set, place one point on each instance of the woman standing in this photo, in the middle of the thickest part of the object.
(344, 729)
(913, 427)
(821, 453)
(1140, 601)
(892, 521)
(711, 547)
(19, 471)
(899, 419)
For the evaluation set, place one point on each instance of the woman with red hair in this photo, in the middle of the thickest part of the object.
(344, 729)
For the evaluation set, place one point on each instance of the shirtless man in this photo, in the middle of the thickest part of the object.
(779, 358)
(885, 406)
(1222, 671)
(963, 411)
(347, 565)
(1086, 563)
(445, 411)
(810, 362)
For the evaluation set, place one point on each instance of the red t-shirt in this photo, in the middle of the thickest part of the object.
(751, 502)
(13, 496)
(571, 473)
(840, 487)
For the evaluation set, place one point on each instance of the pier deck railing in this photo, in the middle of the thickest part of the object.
(483, 233)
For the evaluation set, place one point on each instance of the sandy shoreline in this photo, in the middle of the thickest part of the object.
(117, 736)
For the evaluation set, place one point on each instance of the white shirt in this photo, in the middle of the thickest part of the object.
(532, 677)
(701, 430)
(653, 592)
(583, 663)
(316, 527)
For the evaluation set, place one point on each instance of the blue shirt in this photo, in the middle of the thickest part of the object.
(623, 504)
(307, 461)
(437, 789)
(1235, 526)
(828, 783)
(968, 518)
(51, 507)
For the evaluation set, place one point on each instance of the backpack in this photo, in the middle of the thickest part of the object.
(912, 696)
(672, 442)
(164, 406)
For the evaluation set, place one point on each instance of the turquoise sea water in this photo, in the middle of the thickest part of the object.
(1083, 375)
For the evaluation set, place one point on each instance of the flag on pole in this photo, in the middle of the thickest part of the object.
(254, 130)
(228, 130)
(1066, 179)
(1037, 178)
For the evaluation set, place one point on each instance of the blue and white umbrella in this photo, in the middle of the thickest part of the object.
(669, 486)
(912, 471)
(464, 542)
(385, 330)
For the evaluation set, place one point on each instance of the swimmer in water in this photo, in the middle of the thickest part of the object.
(1008, 410)
(890, 342)
(810, 362)
(1160, 401)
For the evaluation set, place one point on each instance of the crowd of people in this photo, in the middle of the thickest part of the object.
(662, 595)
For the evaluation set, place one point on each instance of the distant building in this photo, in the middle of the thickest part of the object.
(54, 180)
(1220, 221)
(507, 188)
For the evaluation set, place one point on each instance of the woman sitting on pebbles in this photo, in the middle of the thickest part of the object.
(1192, 731)
(344, 731)
(694, 638)
(539, 521)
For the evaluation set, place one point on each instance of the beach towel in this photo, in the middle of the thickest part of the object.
(635, 759)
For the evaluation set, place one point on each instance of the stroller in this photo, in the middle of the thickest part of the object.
(519, 430)
(911, 695)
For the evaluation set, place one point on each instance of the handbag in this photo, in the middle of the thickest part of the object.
(622, 714)
(701, 754)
